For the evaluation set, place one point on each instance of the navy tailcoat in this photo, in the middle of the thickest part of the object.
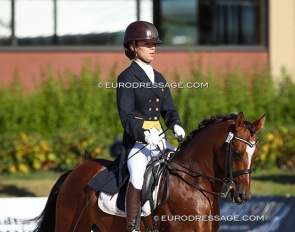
(139, 100)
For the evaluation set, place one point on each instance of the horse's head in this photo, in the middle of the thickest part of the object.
(241, 151)
(222, 150)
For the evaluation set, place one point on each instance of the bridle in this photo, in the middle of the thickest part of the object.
(230, 174)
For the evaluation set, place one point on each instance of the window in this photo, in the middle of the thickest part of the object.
(69, 22)
(214, 22)
(230, 22)
(179, 26)
(100, 22)
(5, 15)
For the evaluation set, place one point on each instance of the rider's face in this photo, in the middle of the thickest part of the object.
(145, 51)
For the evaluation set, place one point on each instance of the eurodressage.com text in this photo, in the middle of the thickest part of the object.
(149, 85)
(208, 218)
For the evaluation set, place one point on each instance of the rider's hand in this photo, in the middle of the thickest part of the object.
(179, 132)
(152, 137)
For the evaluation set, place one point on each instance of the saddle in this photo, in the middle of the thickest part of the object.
(154, 190)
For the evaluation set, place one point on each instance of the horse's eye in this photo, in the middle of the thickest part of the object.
(237, 154)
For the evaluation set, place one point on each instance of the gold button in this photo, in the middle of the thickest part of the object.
(150, 118)
(156, 118)
(150, 100)
(162, 90)
(157, 100)
(157, 109)
(150, 109)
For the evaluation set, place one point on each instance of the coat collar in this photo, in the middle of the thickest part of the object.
(140, 74)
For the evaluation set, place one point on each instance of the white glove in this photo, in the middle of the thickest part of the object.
(179, 132)
(152, 137)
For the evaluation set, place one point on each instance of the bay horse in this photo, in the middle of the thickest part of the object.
(214, 160)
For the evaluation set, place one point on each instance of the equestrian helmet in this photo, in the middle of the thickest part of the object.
(139, 30)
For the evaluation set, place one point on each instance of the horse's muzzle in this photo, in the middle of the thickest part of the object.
(239, 198)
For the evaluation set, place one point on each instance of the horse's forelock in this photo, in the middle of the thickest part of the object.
(250, 127)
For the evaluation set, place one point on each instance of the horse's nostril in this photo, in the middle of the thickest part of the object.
(242, 196)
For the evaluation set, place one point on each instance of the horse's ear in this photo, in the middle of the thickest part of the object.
(240, 121)
(259, 123)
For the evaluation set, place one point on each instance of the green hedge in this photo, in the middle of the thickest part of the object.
(68, 119)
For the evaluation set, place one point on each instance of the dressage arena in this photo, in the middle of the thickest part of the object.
(259, 214)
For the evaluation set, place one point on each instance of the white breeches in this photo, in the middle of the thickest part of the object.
(138, 162)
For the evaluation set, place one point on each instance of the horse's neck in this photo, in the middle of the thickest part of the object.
(199, 154)
(196, 158)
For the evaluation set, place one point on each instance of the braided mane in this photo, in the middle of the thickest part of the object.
(207, 122)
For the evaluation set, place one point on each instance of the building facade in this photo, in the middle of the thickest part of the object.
(217, 33)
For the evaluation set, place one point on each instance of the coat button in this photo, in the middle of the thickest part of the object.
(150, 118)
(150, 109)
(157, 100)
(150, 100)
(156, 118)
(157, 109)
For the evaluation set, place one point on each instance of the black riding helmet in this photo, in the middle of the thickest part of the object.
(139, 30)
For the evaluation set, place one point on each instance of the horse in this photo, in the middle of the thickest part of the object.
(215, 160)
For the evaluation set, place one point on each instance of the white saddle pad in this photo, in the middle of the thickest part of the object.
(108, 204)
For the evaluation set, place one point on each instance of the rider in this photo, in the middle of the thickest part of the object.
(142, 97)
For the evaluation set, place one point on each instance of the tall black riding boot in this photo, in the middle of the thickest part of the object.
(132, 206)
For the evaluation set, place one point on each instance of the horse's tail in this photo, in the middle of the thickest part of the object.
(46, 220)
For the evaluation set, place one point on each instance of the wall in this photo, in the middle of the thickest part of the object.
(282, 37)
(29, 65)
